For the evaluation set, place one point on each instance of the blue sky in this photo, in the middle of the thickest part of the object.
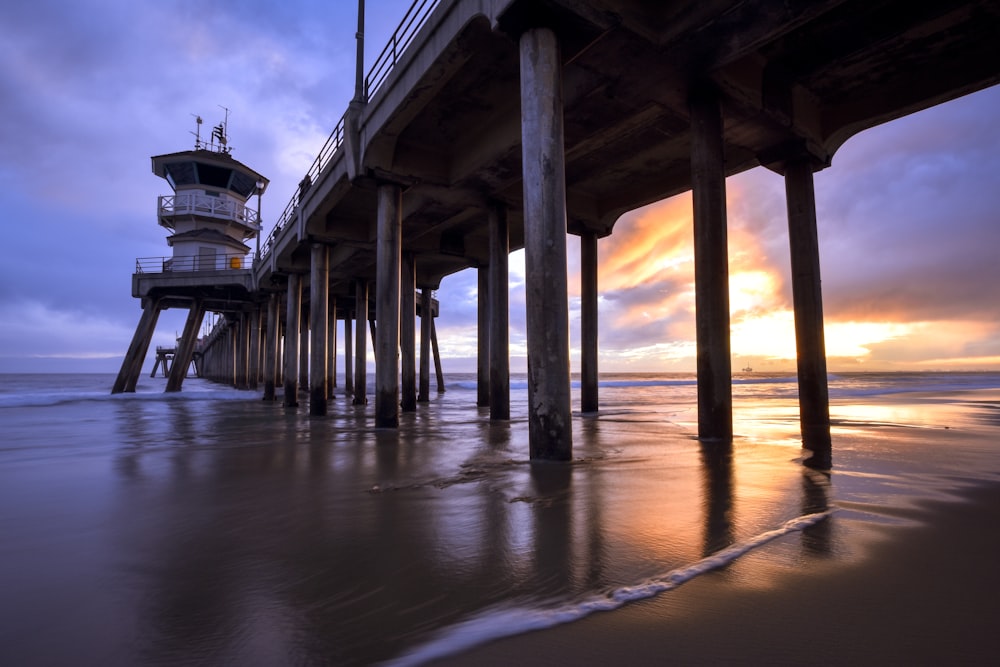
(909, 214)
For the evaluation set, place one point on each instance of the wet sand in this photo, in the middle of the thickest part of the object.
(211, 529)
(925, 591)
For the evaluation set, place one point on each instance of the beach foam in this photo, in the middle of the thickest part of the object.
(500, 623)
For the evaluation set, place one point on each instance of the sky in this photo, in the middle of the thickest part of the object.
(909, 213)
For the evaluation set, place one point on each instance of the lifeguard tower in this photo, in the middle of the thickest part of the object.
(209, 270)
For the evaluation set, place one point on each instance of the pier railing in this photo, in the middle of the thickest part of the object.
(217, 262)
(413, 20)
(198, 204)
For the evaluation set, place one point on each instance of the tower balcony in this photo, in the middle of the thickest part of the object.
(169, 207)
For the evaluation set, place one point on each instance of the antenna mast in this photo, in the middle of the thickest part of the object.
(197, 132)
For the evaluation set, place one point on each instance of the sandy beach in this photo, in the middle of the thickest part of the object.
(215, 528)
(923, 589)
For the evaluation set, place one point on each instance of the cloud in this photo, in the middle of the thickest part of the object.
(907, 215)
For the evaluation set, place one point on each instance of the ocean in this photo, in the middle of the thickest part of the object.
(209, 527)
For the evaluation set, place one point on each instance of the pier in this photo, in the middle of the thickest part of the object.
(487, 127)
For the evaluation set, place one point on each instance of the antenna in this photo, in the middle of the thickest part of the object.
(221, 132)
(197, 132)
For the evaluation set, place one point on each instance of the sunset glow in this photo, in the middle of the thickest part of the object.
(907, 211)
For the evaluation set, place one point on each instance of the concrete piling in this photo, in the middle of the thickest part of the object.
(588, 322)
(271, 348)
(549, 428)
(499, 319)
(388, 260)
(408, 335)
(185, 347)
(361, 315)
(348, 356)
(807, 299)
(131, 366)
(293, 321)
(711, 268)
(319, 299)
(426, 319)
(483, 338)
(331, 359)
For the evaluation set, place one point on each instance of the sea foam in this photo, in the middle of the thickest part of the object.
(508, 622)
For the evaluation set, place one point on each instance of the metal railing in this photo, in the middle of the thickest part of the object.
(188, 263)
(414, 19)
(333, 142)
(200, 204)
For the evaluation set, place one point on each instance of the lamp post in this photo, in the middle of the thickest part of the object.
(260, 188)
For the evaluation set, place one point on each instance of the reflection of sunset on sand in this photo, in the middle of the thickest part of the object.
(215, 524)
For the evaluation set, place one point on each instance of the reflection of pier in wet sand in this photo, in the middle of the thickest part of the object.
(317, 527)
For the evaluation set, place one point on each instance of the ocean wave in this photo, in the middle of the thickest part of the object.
(500, 623)
(56, 398)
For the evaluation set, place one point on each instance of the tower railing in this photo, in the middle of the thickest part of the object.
(187, 263)
(412, 21)
(189, 203)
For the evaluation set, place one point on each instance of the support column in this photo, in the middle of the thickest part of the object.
(499, 311)
(331, 359)
(408, 334)
(304, 351)
(588, 322)
(185, 348)
(439, 374)
(348, 357)
(271, 347)
(426, 318)
(483, 339)
(293, 322)
(255, 348)
(131, 367)
(550, 434)
(711, 269)
(319, 313)
(388, 259)
(243, 352)
(232, 336)
(361, 352)
(807, 298)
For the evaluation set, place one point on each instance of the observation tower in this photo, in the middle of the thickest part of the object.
(209, 270)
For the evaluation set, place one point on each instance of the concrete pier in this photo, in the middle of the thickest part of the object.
(389, 245)
(807, 299)
(319, 324)
(293, 321)
(711, 268)
(550, 430)
(499, 317)
(474, 125)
